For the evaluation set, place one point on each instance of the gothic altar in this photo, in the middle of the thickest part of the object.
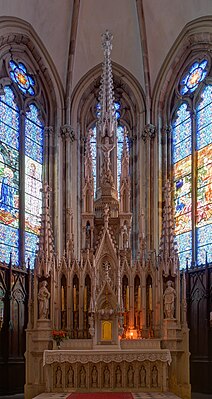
(125, 317)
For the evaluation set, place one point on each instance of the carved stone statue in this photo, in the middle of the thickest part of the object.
(43, 299)
(58, 377)
(106, 148)
(70, 377)
(118, 376)
(143, 376)
(130, 376)
(154, 377)
(125, 237)
(94, 377)
(88, 236)
(169, 301)
(106, 377)
(82, 377)
(106, 214)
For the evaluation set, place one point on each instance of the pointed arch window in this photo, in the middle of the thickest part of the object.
(21, 159)
(191, 164)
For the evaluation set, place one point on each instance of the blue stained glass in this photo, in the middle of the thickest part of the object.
(192, 79)
(31, 246)
(206, 97)
(8, 135)
(183, 257)
(181, 150)
(9, 99)
(33, 115)
(31, 241)
(184, 241)
(204, 118)
(181, 134)
(34, 132)
(5, 254)
(33, 150)
(9, 235)
(204, 235)
(20, 76)
(203, 253)
(30, 258)
(120, 140)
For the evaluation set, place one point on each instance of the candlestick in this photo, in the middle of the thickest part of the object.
(85, 299)
(62, 299)
(75, 299)
(139, 299)
(150, 297)
(127, 299)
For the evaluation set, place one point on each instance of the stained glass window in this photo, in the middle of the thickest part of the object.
(21, 158)
(21, 77)
(191, 168)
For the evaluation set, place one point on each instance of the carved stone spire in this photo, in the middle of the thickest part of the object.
(168, 253)
(107, 119)
(45, 255)
(88, 160)
(106, 127)
(125, 158)
(125, 178)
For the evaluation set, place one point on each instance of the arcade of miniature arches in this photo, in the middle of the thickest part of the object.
(125, 319)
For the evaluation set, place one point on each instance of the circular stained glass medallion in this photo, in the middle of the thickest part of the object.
(193, 77)
(21, 77)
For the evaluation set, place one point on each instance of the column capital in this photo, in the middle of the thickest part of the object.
(149, 131)
(48, 130)
(67, 133)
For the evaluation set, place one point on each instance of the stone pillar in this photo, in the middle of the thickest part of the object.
(148, 135)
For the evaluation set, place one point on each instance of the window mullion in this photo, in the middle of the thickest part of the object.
(22, 190)
(194, 185)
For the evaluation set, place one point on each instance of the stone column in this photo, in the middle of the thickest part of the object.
(68, 137)
(148, 135)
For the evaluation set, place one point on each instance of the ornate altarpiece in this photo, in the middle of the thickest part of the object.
(126, 318)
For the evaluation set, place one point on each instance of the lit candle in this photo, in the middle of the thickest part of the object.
(75, 299)
(85, 299)
(150, 297)
(139, 299)
(127, 299)
(62, 299)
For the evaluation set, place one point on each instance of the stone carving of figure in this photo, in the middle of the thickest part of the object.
(118, 376)
(82, 377)
(154, 377)
(70, 377)
(106, 377)
(106, 148)
(106, 213)
(143, 376)
(125, 237)
(169, 299)
(130, 375)
(58, 377)
(43, 299)
(88, 236)
(94, 377)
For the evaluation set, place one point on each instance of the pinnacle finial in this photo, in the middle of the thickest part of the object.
(107, 38)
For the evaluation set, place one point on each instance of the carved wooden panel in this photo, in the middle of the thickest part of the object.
(14, 296)
(199, 297)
